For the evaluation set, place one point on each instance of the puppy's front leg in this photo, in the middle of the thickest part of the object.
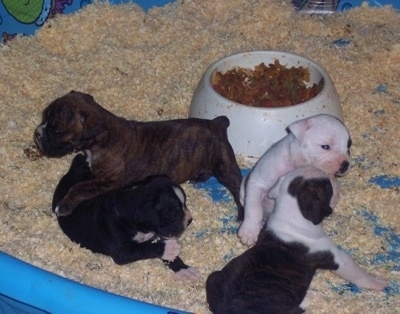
(171, 258)
(171, 250)
(253, 214)
(81, 192)
(350, 271)
(181, 270)
(167, 250)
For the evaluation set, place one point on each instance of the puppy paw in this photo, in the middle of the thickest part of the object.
(63, 210)
(248, 234)
(187, 274)
(374, 283)
(172, 249)
(305, 303)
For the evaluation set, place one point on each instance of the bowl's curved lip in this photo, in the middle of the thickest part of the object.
(225, 101)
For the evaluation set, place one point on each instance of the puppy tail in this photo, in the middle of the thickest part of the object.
(222, 122)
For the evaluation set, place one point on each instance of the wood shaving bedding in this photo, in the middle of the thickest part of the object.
(145, 66)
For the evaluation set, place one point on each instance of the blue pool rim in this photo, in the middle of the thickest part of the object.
(25, 288)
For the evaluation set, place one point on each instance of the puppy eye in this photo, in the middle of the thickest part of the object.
(325, 147)
(349, 143)
(173, 215)
(54, 130)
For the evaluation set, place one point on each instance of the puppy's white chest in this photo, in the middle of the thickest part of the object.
(89, 158)
(143, 237)
(294, 231)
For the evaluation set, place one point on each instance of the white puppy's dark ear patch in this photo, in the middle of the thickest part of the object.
(295, 186)
(313, 198)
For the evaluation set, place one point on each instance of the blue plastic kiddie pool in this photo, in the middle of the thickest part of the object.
(28, 289)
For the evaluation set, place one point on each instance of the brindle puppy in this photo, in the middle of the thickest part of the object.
(121, 151)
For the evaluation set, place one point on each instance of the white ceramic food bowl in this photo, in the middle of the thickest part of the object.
(253, 130)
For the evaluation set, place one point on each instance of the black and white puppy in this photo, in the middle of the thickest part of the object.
(273, 276)
(137, 222)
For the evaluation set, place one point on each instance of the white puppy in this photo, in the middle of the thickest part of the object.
(321, 140)
(294, 221)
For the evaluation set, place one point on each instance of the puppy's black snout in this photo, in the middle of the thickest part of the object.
(344, 166)
(37, 134)
(189, 221)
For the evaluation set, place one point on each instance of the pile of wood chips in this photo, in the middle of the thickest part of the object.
(145, 66)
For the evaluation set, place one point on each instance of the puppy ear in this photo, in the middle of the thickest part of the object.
(314, 198)
(90, 117)
(295, 186)
(92, 125)
(87, 97)
(299, 128)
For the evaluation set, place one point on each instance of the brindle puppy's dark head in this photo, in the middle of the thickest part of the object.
(70, 123)
(313, 197)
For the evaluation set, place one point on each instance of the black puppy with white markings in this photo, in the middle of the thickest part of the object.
(274, 275)
(137, 222)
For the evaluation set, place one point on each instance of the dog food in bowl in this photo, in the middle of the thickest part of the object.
(274, 85)
(253, 130)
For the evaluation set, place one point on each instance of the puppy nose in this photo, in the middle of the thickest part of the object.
(38, 134)
(189, 221)
(344, 166)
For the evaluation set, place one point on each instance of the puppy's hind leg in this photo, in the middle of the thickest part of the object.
(228, 173)
(350, 271)
(164, 249)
